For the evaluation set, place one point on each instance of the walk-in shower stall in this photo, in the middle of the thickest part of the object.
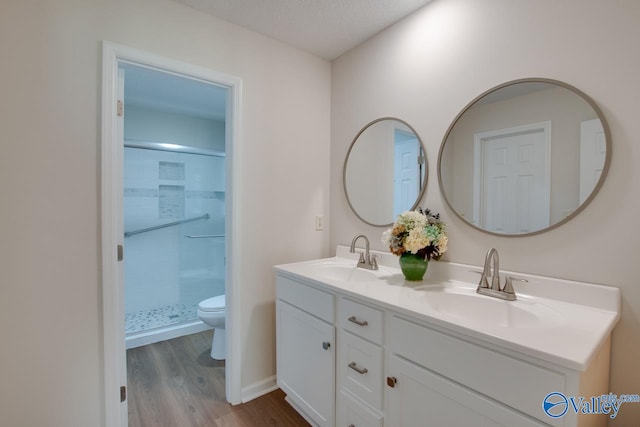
(174, 238)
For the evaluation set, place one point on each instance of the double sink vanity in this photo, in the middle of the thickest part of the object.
(359, 347)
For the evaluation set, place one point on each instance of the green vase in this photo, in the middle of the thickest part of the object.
(413, 266)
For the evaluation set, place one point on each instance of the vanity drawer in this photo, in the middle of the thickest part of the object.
(352, 413)
(360, 368)
(311, 300)
(486, 371)
(361, 319)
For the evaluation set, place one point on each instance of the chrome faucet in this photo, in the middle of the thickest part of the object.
(366, 260)
(492, 257)
(492, 265)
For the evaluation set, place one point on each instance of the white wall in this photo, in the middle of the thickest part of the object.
(50, 305)
(428, 67)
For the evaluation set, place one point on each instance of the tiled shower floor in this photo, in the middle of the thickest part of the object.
(159, 317)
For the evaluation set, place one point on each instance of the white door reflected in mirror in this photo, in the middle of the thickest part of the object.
(524, 157)
(511, 168)
(407, 171)
(593, 153)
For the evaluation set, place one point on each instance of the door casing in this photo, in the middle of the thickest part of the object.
(112, 229)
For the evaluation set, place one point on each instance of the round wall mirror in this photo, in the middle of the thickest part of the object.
(524, 157)
(385, 171)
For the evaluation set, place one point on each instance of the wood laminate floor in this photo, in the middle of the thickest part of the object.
(175, 383)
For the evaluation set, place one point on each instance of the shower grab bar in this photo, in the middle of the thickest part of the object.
(204, 236)
(169, 224)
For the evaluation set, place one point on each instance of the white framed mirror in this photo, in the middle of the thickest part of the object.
(385, 171)
(524, 157)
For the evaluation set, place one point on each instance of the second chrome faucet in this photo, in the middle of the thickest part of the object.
(492, 266)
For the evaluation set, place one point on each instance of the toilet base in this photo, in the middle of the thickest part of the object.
(219, 345)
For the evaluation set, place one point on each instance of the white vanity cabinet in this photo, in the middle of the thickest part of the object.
(305, 348)
(359, 354)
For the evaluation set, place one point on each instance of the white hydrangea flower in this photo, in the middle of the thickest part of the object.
(416, 240)
(442, 244)
(411, 220)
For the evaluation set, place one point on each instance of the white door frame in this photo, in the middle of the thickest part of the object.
(113, 229)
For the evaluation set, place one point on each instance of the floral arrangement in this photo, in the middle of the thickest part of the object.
(419, 232)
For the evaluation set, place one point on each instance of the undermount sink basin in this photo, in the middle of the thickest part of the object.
(488, 310)
(342, 272)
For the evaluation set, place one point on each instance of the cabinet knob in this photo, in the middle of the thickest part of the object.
(326, 345)
(392, 381)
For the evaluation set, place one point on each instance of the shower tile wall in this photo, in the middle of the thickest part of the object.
(167, 273)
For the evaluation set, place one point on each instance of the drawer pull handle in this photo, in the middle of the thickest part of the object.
(351, 425)
(392, 381)
(326, 345)
(361, 371)
(353, 319)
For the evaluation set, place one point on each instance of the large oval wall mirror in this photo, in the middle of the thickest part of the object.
(385, 171)
(524, 157)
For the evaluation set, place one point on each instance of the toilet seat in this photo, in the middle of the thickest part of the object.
(213, 304)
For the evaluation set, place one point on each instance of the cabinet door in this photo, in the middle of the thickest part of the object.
(421, 398)
(306, 362)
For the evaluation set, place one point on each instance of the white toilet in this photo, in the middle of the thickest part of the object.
(212, 312)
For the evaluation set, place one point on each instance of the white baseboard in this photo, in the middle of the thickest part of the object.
(258, 389)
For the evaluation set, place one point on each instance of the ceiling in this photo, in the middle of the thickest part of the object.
(326, 28)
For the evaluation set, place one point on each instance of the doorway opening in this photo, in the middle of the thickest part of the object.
(169, 208)
(174, 201)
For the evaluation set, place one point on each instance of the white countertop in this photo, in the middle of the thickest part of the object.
(555, 320)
